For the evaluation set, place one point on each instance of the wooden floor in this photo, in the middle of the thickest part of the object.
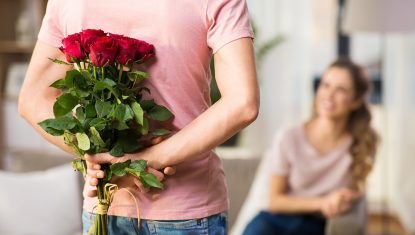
(385, 225)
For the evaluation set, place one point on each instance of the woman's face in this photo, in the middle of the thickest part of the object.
(335, 95)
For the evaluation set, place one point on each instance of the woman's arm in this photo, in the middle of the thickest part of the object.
(237, 108)
(335, 203)
(280, 202)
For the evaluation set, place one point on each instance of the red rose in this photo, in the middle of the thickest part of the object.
(72, 48)
(144, 51)
(127, 51)
(88, 37)
(103, 50)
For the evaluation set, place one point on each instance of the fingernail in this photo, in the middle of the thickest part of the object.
(97, 167)
(100, 174)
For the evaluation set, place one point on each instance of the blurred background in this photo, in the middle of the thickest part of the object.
(295, 42)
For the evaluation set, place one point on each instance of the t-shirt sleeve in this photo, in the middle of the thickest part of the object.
(276, 156)
(227, 20)
(50, 31)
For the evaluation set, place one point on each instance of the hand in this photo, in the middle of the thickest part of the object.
(338, 202)
(94, 171)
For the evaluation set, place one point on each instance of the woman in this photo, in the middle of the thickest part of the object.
(318, 169)
(186, 34)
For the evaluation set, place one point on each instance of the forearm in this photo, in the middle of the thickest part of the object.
(36, 111)
(214, 126)
(293, 205)
(36, 98)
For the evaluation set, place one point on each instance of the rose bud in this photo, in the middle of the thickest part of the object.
(103, 50)
(127, 51)
(72, 48)
(88, 36)
(144, 51)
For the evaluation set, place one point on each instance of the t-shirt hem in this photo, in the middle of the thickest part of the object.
(152, 214)
(245, 33)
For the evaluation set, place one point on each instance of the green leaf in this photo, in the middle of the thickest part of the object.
(58, 84)
(139, 165)
(83, 141)
(52, 131)
(107, 84)
(137, 76)
(64, 104)
(90, 111)
(127, 141)
(151, 180)
(79, 165)
(118, 169)
(160, 113)
(69, 140)
(80, 114)
(61, 123)
(98, 123)
(138, 113)
(71, 76)
(160, 132)
(58, 61)
(86, 74)
(116, 151)
(120, 125)
(144, 128)
(96, 137)
(104, 84)
(123, 113)
(147, 104)
(103, 108)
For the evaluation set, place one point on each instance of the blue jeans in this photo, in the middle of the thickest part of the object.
(266, 223)
(118, 225)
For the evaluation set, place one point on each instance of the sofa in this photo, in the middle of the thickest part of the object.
(37, 210)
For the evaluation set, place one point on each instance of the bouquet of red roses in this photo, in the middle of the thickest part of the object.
(101, 107)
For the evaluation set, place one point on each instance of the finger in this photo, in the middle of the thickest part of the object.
(92, 193)
(96, 173)
(169, 170)
(92, 166)
(156, 140)
(99, 158)
(140, 186)
(93, 181)
(158, 174)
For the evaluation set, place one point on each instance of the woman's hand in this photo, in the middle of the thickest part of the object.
(338, 202)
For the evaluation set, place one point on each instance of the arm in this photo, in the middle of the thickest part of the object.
(36, 97)
(237, 108)
(335, 203)
(280, 202)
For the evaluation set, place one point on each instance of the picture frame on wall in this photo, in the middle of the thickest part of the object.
(15, 77)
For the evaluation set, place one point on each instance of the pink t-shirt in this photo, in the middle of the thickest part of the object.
(185, 33)
(309, 173)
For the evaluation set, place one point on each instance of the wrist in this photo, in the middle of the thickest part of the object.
(319, 204)
(149, 155)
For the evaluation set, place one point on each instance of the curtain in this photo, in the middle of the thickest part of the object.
(286, 74)
(399, 137)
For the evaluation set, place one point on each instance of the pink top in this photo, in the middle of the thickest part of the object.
(309, 173)
(185, 33)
